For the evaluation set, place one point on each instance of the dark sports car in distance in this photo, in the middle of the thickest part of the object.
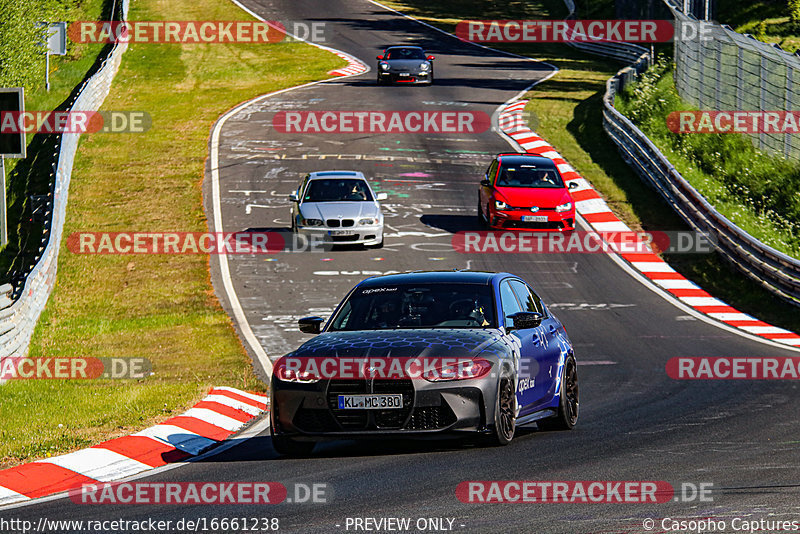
(442, 353)
(405, 64)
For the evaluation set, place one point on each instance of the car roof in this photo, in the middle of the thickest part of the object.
(529, 159)
(434, 277)
(335, 174)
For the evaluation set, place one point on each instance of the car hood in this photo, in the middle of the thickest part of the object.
(405, 65)
(402, 343)
(338, 210)
(543, 197)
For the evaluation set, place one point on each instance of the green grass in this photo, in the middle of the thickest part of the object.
(152, 306)
(31, 176)
(767, 20)
(569, 108)
(756, 191)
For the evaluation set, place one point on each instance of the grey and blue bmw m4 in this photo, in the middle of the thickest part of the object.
(427, 354)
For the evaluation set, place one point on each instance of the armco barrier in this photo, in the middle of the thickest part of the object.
(18, 316)
(773, 270)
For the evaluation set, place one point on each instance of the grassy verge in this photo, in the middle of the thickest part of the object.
(766, 20)
(756, 191)
(158, 307)
(569, 110)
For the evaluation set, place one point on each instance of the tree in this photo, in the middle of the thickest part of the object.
(794, 11)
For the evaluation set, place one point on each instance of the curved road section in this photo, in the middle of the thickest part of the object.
(637, 424)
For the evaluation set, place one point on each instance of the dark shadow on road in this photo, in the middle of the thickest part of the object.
(452, 223)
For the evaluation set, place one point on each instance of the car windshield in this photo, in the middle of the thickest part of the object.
(529, 176)
(417, 306)
(405, 53)
(337, 190)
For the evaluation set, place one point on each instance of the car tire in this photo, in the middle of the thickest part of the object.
(380, 80)
(430, 80)
(286, 446)
(483, 220)
(569, 402)
(505, 412)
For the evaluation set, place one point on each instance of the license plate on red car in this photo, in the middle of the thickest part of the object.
(534, 218)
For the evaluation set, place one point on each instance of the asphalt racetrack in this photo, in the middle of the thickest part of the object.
(636, 424)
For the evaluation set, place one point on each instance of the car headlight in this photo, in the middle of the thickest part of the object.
(564, 207)
(384, 66)
(499, 204)
(291, 375)
(311, 222)
(463, 370)
(425, 66)
(366, 221)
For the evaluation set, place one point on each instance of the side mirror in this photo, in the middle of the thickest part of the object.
(430, 58)
(381, 196)
(379, 57)
(572, 185)
(310, 325)
(523, 320)
(486, 183)
(293, 197)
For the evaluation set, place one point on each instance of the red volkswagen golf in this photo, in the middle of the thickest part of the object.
(525, 191)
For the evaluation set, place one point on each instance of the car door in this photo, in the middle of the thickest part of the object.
(486, 190)
(546, 350)
(301, 190)
(524, 342)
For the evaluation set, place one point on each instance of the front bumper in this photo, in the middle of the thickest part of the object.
(405, 77)
(355, 235)
(432, 409)
(515, 219)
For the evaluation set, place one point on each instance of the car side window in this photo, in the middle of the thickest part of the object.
(303, 185)
(340, 323)
(530, 301)
(509, 303)
(490, 172)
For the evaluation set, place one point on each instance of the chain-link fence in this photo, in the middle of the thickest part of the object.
(724, 71)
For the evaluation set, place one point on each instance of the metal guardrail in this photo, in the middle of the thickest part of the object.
(773, 270)
(18, 317)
